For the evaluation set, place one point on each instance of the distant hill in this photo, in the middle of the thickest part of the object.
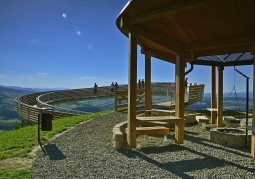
(33, 89)
(229, 103)
(227, 94)
(8, 112)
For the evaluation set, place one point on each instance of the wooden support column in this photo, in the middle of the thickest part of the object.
(253, 116)
(220, 96)
(148, 94)
(132, 87)
(179, 97)
(213, 95)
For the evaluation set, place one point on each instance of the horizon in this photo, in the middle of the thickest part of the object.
(67, 44)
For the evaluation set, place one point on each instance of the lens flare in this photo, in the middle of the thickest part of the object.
(64, 15)
(90, 46)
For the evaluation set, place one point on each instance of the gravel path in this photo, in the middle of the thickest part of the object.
(86, 151)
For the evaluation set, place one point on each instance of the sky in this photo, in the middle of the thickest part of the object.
(76, 43)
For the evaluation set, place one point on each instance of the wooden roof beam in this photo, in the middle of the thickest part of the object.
(222, 43)
(230, 63)
(168, 10)
(160, 55)
(164, 56)
(147, 33)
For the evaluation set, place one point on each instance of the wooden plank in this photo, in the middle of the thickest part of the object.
(152, 130)
(222, 43)
(159, 118)
(253, 119)
(154, 123)
(213, 94)
(220, 96)
(168, 10)
(160, 110)
(148, 94)
(179, 97)
(146, 33)
(132, 77)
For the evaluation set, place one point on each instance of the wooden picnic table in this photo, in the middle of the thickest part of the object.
(179, 124)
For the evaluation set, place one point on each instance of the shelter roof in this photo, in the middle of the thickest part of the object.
(197, 28)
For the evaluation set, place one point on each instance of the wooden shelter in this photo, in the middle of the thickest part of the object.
(185, 31)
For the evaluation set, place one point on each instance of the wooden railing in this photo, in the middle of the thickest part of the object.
(121, 98)
(30, 105)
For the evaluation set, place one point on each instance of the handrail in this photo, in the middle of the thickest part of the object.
(56, 108)
(29, 105)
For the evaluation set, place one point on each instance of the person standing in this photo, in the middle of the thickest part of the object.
(116, 86)
(112, 87)
(142, 83)
(95, 88)
(139, 84)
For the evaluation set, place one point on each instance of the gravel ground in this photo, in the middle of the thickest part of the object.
(86, 151)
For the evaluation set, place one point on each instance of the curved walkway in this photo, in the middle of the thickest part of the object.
(28, 106)
(86, 151)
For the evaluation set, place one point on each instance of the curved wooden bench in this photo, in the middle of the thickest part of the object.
(119, 135)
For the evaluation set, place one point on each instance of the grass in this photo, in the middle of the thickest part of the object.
(19, 143)
(15, 174)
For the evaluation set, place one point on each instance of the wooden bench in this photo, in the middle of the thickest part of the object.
(160, 110)
(152, 130)
(152, 123)
(202, 120)
(231, 121)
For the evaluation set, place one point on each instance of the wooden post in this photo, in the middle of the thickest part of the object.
(253, 116)
(148, 96)
(132, 77)
(220, 96)
(115, 101)
(213, 95)
(179, 97)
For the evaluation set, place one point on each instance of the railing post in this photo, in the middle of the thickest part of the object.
(115, 101)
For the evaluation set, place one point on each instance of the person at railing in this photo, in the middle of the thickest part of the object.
(112, 87)
(142, 83)
(139, 84)
(116, 86)
(95, 88)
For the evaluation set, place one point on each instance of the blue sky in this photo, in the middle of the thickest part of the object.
(75, 43)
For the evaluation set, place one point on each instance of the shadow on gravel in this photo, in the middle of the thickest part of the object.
(182, 167)
(53, 152)
(208, 143)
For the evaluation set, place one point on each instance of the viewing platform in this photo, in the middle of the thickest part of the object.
(30, 105)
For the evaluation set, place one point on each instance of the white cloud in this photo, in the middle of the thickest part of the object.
(1, 75)
(68, 80)
(42, 75)
(26, 77)
(86, 78)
